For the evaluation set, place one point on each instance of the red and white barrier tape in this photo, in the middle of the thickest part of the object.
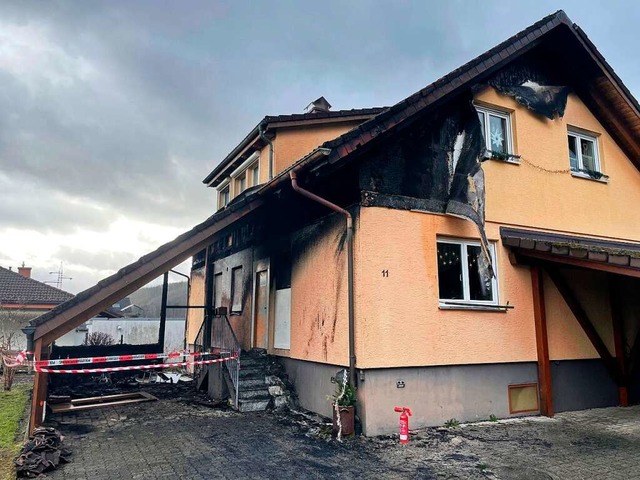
(135, 367)
(118, 358)
(18, 361)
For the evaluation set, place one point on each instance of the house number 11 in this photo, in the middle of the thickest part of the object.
(385, 273)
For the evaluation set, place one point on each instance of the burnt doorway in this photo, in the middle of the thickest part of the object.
(261, 305)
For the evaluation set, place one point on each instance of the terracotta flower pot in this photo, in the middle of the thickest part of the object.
(347, 419)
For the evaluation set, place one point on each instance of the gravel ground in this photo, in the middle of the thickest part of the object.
(179, 437)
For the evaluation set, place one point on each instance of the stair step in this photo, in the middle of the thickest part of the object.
(253, 405)
(251, 383)
(252, 372)
(246, 362)
(253, 393)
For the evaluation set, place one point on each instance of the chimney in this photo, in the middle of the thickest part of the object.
(24, 271)
(319, 106)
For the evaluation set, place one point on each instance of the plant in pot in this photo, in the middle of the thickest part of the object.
(343, 402)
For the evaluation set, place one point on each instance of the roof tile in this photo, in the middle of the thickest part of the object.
(16, 289)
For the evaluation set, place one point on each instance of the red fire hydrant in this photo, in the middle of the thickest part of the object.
(405, 413)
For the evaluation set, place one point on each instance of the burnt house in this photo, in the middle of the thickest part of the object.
(470, 251)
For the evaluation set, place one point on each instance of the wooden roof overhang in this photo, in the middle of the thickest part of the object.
(622, 258)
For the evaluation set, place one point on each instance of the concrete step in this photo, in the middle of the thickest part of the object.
(254, 405)
(253, 393)
(252, 372)
(251, 383)
(246, 362)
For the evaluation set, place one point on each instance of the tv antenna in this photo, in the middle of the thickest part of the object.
(59, 277)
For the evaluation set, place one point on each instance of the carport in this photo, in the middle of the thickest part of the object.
(45, 329)
(598, 282)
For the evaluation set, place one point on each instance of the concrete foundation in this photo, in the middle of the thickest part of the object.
(313, 383)
(436, 394)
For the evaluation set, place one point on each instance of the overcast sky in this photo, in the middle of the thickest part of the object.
(112, 113)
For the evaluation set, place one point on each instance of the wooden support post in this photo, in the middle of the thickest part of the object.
(40, 388)
(163, 311)
(583, 319)
(542, 343)
(619, 340)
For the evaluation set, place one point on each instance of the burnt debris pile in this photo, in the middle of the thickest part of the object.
(42, 453)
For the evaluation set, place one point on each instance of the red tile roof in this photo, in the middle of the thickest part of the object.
(18, 290)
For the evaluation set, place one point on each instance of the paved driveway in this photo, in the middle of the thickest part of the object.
(178, 438)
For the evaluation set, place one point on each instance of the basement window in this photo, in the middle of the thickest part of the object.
(459, 274)
(583, 155)
(496, 128)
(236, 290)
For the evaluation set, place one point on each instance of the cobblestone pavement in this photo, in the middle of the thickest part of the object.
(173, 438)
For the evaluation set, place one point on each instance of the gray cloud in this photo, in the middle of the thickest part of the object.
(112, 108)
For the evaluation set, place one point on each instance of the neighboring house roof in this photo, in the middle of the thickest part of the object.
(275, 121)
(334, 153)
(16, 289)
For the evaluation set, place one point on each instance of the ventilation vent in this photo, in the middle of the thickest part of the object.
(523, 398)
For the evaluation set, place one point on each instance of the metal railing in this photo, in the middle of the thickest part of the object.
(225, 343)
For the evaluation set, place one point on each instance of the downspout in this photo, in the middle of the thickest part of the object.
(265, 139)
(349, 244)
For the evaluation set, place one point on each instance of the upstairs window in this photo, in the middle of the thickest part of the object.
(241, 182)
(459, 273)
(583, 154)
(496, 127)
(224, 197)
(254, 174)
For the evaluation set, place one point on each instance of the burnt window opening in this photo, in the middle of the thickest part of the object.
(496, 128)
(583, 155)
(460, 276)
(282, 271)
(236, 290)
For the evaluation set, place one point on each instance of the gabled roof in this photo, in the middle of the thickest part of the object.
(275, 121)
(16, 289)
(608, 96)
(607, 91)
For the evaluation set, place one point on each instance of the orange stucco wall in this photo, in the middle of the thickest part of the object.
(399, 322)
(293, 143)
(195, 316)
(523, 195)
(398, 318)
(319, 326)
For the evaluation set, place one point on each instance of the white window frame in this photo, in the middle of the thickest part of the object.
(463, 244)
(244, 169)
(220, 188)
(486, 111)
(596, 152)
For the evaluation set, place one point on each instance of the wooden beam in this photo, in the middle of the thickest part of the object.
(617, 322)
(40, 387)
(578, 262)
(542, 343)
(583, 319)
(138, 274)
